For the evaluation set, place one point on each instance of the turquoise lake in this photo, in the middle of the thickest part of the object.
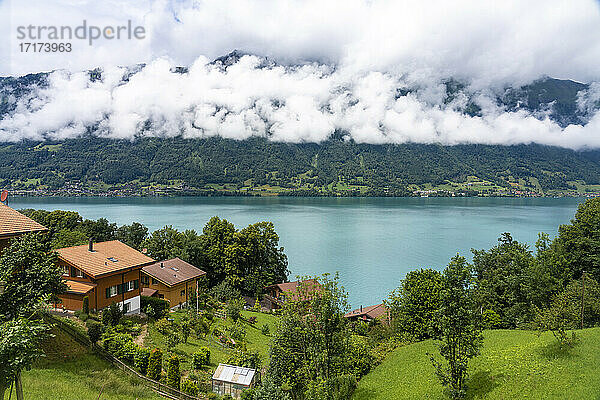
(372, 242)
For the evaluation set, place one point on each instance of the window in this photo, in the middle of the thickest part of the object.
(129, 286)
(65, 270)
(145, 280)
(126, 308)
(76, 273)
(111, 291)
(182, 293)
(154, 281)
(161, 296)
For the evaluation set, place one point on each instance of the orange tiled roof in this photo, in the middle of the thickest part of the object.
(107, 257)
(79, 287)
(13, 223)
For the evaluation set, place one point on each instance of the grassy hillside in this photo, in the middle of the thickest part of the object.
(70, 371)
(513, 364)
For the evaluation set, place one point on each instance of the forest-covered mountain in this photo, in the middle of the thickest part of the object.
(336, 166)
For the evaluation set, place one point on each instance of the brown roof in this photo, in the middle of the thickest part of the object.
(172, 272)
(148, 292)
(107, 257)
(14, 223)
(79, 287)
(373, 312)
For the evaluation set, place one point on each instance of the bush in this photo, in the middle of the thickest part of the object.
(173, 372)
(86, 305)
(141, 360)
(247, 394)
(130, 350)
(94, 330)
(155, 365)
(234, 309)
(244, 359)
(111, 315)
(190, 387)
(154, 307)
(265, 330)
(84, 317)
(491, 319)
(201, 357)
(163, 326)
(115, 343)
(224, 292)
(252, 320)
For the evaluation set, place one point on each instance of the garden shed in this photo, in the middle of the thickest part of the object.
(232, 380)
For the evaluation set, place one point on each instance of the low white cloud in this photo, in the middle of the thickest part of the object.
(290, 104)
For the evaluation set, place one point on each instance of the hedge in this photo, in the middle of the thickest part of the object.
(173, 372)
(155, 365)
(160, 307)
(201, 357)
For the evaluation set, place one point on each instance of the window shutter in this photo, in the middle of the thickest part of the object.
(108, 293)
(136, 284)
(119, 289)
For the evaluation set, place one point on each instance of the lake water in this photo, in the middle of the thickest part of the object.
(372, 242)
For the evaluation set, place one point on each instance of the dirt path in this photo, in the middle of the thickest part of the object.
(139, 340)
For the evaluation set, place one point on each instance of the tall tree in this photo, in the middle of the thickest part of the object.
(502, 273)
(460, 327)
(580, 240)
(19, 348)
(30, 274)
(414, 304)
(132, 235)
(311, 346)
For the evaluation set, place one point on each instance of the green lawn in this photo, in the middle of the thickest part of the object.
(513, 365)
(70, 371)
(218, 354)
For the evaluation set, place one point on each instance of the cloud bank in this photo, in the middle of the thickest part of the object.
(342, 65)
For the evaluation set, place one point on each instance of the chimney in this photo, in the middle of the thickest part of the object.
(162, 265)
(361, 308)
(91, 245)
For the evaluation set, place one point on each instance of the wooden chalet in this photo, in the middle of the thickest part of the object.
(173, 280)
(106, 272)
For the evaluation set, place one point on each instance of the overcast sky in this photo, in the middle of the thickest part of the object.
(361, 52)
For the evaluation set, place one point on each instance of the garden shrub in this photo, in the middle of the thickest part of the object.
(155, 365)
(201, 357)
(154, 307)
(141, 360)
(94, 330)
(111, 315)
(265, 330)
(190, 387)
(163, 326)
(130, 350)
(173, 372)
(244, 359)
(115, 343)
(86, 305)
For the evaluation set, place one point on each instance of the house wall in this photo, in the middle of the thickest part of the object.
(97, 296)
(71, 301)
(173, 294)
(113, 280)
